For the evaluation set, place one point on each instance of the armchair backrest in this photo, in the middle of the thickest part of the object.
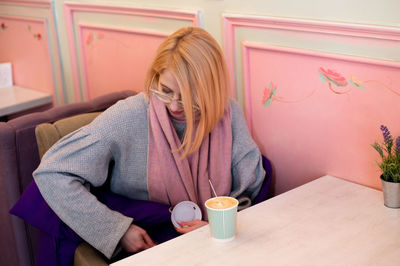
(49, 133)
(19, 157)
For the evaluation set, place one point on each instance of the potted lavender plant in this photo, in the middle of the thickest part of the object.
(390, 166)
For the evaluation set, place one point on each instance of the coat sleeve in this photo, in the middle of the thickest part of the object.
(77, 160)
(247, 171)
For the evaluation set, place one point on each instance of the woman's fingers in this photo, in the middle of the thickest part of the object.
(189, 226)
(190, 223)
(149, 242)
(136, 239)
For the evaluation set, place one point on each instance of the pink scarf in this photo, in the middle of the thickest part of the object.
(171, 180)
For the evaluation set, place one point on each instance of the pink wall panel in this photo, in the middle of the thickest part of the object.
(317, 113)
(23, 42)
(115, 59)
(106, 58)
(308, 29)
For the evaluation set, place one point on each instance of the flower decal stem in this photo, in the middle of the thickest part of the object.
(337, 84)
(338, 92)
(270, 95)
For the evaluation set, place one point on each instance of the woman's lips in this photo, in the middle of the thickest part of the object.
(176, 113)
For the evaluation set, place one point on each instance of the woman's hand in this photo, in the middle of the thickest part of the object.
(136, 239)
(189, 226)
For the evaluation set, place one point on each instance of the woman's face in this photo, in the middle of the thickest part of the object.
(169, 86)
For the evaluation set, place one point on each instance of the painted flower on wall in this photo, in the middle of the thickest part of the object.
(337, 83)
(332, 76)
(37, 36)
(89, 39)
(268, 93)
(92, 36)
(100, 36)
(3, 26)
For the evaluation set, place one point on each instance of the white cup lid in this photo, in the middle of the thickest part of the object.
(185, 211)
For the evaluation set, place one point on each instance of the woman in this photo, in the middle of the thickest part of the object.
(164, 145)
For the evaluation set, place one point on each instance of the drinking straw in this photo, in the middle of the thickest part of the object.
(212, 187)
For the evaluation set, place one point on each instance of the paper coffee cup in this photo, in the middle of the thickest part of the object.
(222, 217)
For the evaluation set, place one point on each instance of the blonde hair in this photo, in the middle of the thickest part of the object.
(196, 61)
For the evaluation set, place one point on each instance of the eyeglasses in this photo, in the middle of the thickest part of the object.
(167, 98)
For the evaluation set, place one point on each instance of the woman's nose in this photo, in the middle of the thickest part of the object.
(175, 106)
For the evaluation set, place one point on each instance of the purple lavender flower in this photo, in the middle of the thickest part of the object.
(386, 135)
(398, 145)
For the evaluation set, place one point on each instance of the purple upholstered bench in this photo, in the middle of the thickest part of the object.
(19, 157)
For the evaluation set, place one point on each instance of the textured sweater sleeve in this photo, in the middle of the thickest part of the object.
(247, 171)
(79, 159)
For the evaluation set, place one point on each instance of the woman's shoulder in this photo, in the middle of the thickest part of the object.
(128, 107)
(133, 104)
(124, 115)
(236, 111)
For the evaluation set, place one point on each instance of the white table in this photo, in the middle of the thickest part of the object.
(16, 99)
(326, 222)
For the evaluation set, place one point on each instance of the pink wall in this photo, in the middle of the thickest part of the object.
(312, 112)
(316, 125)
(107, 57)
(23, 42)
(28, 39)
(116, 59)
